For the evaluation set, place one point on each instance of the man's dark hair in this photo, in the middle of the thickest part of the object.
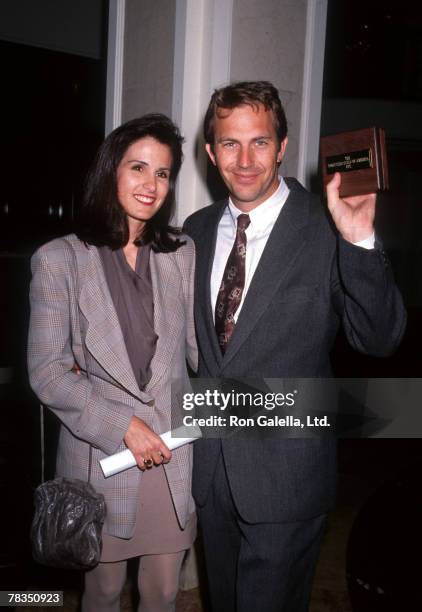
(102, 220)
(251, 93)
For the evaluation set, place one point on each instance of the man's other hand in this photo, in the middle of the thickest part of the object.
(354, 215)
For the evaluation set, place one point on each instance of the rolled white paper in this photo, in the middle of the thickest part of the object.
(124, 460)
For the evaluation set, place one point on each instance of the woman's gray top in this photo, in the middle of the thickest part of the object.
(131, 292)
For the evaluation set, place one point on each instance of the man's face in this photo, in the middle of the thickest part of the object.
(247, 153)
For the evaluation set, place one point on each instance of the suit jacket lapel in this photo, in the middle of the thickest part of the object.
(104, 338)
(205, 258)
(285, 242)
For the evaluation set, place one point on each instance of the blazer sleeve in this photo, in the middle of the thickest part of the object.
(372, 310)
(53, 299)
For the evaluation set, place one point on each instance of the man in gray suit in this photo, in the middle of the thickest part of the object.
(276, 276)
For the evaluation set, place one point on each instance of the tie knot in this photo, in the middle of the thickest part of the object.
(243, 222)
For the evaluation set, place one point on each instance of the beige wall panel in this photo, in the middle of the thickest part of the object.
(148, 58)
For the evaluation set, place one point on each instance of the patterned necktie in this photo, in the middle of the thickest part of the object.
(232, 284)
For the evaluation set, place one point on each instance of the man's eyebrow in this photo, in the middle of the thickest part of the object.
(224, 138)
(263, 137)
(230, 139)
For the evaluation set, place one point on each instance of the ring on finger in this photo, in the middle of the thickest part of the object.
(148, 463)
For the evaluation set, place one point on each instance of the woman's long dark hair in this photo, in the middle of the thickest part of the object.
(102, 220)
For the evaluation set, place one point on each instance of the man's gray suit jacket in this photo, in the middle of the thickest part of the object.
(308, 282)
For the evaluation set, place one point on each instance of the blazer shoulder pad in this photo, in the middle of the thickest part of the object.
(66, 250)
(58, 247)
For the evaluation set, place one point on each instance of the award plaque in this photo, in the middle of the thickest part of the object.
(360, 156)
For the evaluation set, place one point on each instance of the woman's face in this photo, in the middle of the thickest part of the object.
(143, 180)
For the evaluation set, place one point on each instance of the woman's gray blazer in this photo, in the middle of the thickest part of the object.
(73, 320)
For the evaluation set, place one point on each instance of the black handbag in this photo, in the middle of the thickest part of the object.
(67, 524)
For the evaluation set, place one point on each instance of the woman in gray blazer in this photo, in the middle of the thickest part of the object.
(111, 327)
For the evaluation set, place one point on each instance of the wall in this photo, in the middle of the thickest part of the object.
(148, 58)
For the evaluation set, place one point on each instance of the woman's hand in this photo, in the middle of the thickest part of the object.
(146, 446)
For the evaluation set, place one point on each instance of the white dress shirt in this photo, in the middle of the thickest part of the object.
(262, 222)
(263, 218)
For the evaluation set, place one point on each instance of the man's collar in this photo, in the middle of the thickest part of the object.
(265, 212)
